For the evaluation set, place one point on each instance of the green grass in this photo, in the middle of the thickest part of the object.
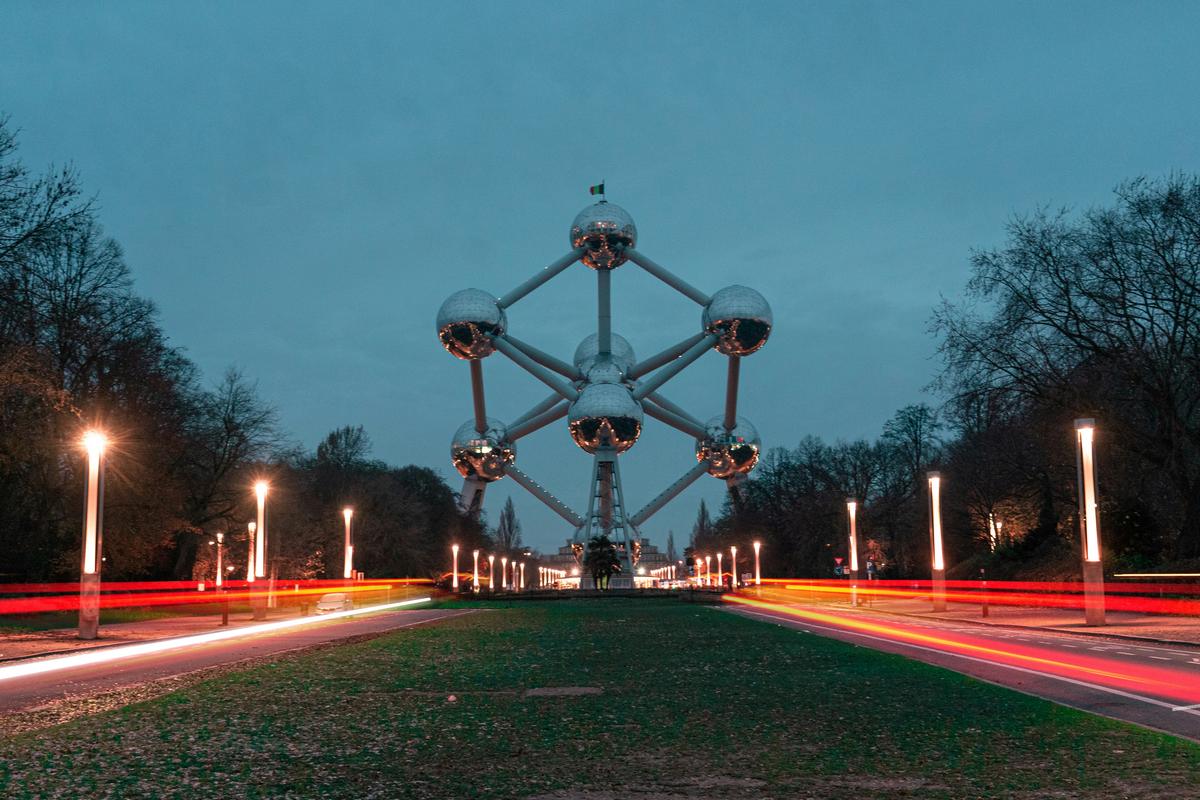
(696, 703)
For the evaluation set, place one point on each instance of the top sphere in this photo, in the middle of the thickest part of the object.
(741, 317)
(466, 322)
(603, 231)
(587, 355)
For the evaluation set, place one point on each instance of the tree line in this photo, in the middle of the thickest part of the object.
(79, 348)
(1078, 315)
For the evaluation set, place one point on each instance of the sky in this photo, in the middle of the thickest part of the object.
(299, 186)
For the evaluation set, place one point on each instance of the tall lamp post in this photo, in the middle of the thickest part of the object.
(454, 579)
(503, 572)
(852, 515)
(220, 580)
(522, 576)
(94, 444)
(733, 575)
(260, 545)
(935, 538)
(708, 570)
(492, 574)
(251, 529)
(347, 546)
(757, 571)
(1089, 523)
(720, 570)
(475, 578)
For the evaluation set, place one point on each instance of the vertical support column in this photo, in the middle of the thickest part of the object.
(259, 603)
(852, 514)
(935, 540)
(1089, 523)
(477, 395)
(731, 392)
(93, 535)
(604, 315)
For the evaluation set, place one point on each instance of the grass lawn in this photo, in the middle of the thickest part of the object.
(696, 703)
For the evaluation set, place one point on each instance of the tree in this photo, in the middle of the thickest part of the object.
(508, 530)
(1097, 315)
(601, 561)
(703, 526)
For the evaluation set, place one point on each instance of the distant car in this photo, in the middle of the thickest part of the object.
(334, 601)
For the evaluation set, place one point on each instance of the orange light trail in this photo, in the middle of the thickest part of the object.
(1182, 687)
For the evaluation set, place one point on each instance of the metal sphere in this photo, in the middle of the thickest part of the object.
(467, 320)
(741, 317)
(729, 453)
(603, 231)
(605, 413)
(587, 355)
(482, 456)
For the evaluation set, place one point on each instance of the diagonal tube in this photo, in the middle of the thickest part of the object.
(536, 370)
(674, 368)
(538, 422)
(540, 278)
(731, 392)
(674, 409)
(540, 408)
(669, 494)
(536, 489)
(672, 419)
(481, 425)
(666, 356)
(667, 277)
(548, 361)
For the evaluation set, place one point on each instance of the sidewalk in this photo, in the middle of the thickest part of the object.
(65, 640)
(1151, 627)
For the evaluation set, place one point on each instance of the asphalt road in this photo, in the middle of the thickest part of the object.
(1154, 685)
(33, 691)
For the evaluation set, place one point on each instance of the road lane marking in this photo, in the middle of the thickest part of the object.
(1193, 709)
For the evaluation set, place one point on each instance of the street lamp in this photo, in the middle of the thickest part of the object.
(757, 571)
(708, 570)
(260, 546)
(347, 547)
(503, 572)
(720, 570)
(454, 580)
(94, 443)
(522, 576)
(935, 536)
(220, 559)
(733, 575)
(492, 573)
(475, 579)
(852, 515)
(1089, 523)
(251, 529)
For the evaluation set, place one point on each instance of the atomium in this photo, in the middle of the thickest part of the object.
(728, 452)
(603, 232)
(604, 393)
(482, 456)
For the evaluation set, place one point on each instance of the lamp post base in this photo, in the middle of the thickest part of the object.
(939, 590)
(1093, 593)
(89, 605)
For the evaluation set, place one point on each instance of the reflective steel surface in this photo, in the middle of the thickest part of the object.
(482, 456)
(729, 453)
(741, 317)
(589, 349)
(466, 321)
(605, 413)
(603, 231)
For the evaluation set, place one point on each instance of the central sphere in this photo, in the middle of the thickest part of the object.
(729, 453)
(605, 413)
(587, 355)
(482, 456)
(467, 321)
(603, 231)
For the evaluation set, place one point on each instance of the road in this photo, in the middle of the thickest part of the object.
(32, 691)
(1157, 686)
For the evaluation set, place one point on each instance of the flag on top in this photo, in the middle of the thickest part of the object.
(597, 189)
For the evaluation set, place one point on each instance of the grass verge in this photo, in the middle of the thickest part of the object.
(695, 703)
